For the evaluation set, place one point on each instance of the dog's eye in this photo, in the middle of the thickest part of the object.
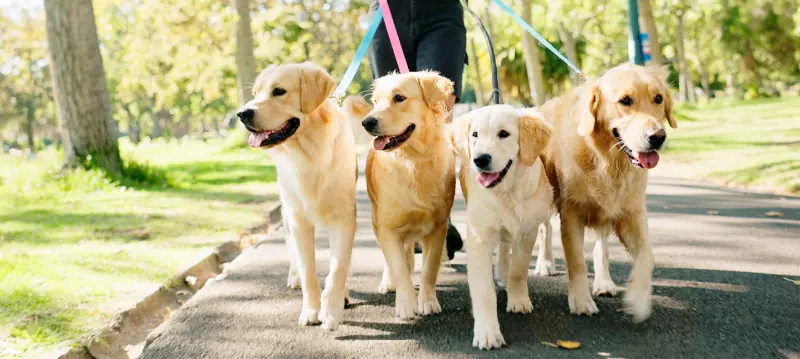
(399, 98)
(659, 99)
(475, 134)
(503, 134)
(626, 101)
(278, 92)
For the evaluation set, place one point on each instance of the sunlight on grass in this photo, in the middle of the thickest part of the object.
(76, 248)
(754, 144)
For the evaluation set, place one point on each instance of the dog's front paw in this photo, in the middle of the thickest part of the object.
(309, 316)
(331, 318)
(605, 288)
(386, 286)
(580, 301)
(405, 307)
(428, 305)
(519, 304)
(293, 281)
(488, 336)
(638, 304)
(544, 268)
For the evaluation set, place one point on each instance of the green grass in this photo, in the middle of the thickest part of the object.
(754, 144)
(76, 248)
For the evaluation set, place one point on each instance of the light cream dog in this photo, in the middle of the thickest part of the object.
(508, 197)
(411, 182)
(606, 134)
(311, 142)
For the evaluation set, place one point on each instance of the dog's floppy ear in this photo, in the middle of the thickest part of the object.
(315, 87)
(356, 107)
(435, 90)
(459, 135)
(668, 109)
(589, 105)
(661, 73)
(534, 134)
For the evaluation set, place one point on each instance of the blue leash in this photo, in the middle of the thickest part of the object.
(347, 79)
(538, 37)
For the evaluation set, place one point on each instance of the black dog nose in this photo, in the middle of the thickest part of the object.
(657, 139)
(370, 124)
(483, 160)
(246, 116)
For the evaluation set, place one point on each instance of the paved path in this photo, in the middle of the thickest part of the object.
(719, 292)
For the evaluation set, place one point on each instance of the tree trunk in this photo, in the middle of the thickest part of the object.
(160, 118)
(532, 62)
(704, 81)
(487, 16)
(570, 47)
(646, 15)
(79, 83)
(31, 114)
(683, 73)
(134, 125)
(245, 61)
(478, 86)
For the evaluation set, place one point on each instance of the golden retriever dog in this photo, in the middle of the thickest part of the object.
(411, 182)
(311, 142)
(508, 196)
(607, 133)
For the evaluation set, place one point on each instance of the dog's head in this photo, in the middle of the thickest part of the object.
(284, 97)
(497, 139)
(407, 108)
(623, 113)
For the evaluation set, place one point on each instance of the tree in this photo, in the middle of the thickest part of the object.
(245, 61)
(649, 24)
(532, 60)
(82, 102)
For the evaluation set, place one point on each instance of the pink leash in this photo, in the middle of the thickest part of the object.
(393, 38)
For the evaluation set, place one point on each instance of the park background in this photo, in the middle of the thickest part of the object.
(82, 237)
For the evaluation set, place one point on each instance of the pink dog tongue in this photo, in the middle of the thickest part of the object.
(380, 142)
(647, 159)
(256, 138)
(486, 179)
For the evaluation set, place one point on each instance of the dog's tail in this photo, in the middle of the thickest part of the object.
(356, 108)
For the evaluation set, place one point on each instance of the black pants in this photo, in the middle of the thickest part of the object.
(432, 35)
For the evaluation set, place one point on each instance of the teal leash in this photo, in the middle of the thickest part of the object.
(350, 74)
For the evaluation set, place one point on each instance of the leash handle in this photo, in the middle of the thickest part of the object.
(538, 37)
(495, 99)
(399, 55)
(350, 74)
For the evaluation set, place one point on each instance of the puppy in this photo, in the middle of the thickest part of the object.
(606, 135)
(411, 182)
(312, 145)
(508, 197)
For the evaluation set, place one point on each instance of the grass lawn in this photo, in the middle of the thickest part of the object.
(76, 249)
(754, 144)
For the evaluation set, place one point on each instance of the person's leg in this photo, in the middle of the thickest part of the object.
(381, 56)
(442, 46)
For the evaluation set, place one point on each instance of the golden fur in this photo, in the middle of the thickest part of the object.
(597, 185)
(506, 213)
(317, 173)
(412, 186)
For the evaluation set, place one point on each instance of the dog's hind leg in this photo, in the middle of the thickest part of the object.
(386, 285)
(302, 233)
(602, 285)
(519, 301)
(544, 259)
(501, 269)
(336, 283)
(632, 231)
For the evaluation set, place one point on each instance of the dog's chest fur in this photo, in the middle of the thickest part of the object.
(411, 195)
(317, 172)
(517, 205)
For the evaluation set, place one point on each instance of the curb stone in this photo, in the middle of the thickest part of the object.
(132, 329)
